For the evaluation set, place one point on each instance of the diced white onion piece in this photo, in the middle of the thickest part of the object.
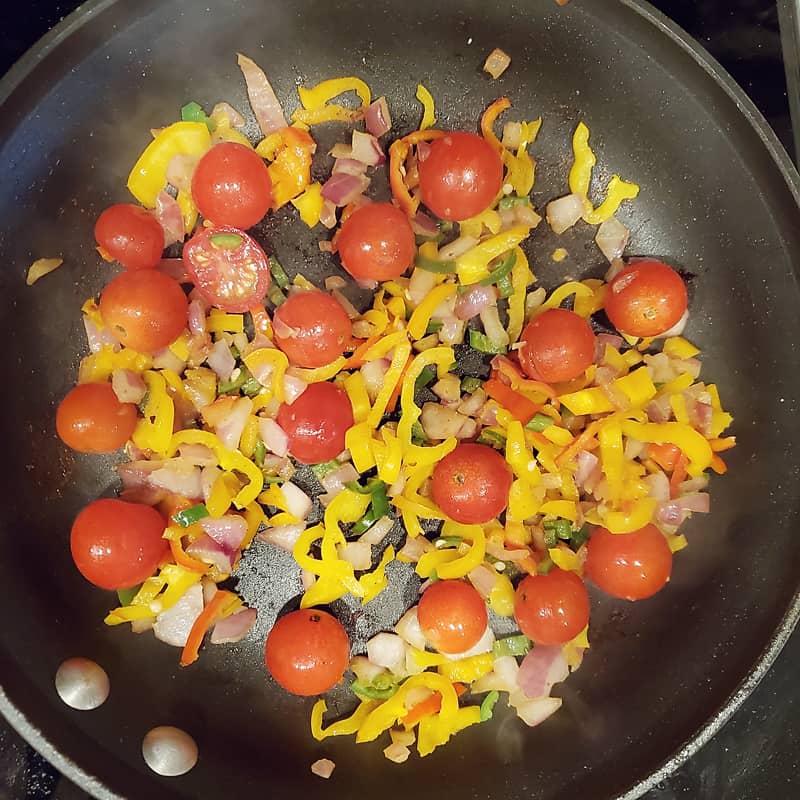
(502, 678)
(448, 388)
(490, 319)
(420, 285)
(234, 627)
(677, 328)
(497, 62)
(364, 669)
(377, 532)
(357, 554)
(292, 388)
(387, 650)
(534, 712)
(398, 753)
(221, 360)
(414, 548)
(512, 135)
(298, 503)
(283, 536)
(174, 625)
(440, 422)
(324, 767)
(563, 213)
(273, 436)
(457, 248)
(409, 629)
(128, 386)
(612, 238)
(177, 476)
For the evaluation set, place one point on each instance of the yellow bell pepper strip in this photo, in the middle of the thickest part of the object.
(422, 313)
(573, 649)
(225, 488)
(149, 175)
(559, 295)
(356, 389)
(268, 366)
(214, 610)
(587, 401)
(565, 509)
(97, 367)
(690, 442)
(291, 170)
(637, 516)
(618, 190)
(565, 559)
(580, 175)
(489, 219)
(521, 277)
(388, 456)
(268, 146)
(521, 171)
(518, 456)
(373, 583)
(398, 153)
(220, 322)
(317, 96)
(319, 374)
(329, 113)
(467, 670)
(461, 566)
(678, 347)
(154, 430)
(343, 727)
(347, 506)
(522, 502)
(358, 440)
(325, 567)
(254, 516)
(677, 542)
(428, 107)
(249, 438)
(473, 266)
(309, 204)
(188, 209)
(398, 342)
(183, 559)
(488, 118)
(679, 411)
(612, 456)
(274, 496)
(437, 729)
(434, 560)
(425, 659)
(586, 305)
(501, 598)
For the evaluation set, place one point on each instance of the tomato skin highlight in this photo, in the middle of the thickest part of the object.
(460, 177)
(145, 310)
(631, 566)
(552, 608)
(559, 346)
(316, 423)
(233, 279)
(117, 545)
(307, 652)
(471, 484)
(646, 298)
(232, 186)
(90, 419)
(376, 242)
(321, 328)
(131, 235)
(452, 616)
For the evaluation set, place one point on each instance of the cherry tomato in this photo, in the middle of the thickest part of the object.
(471, 484)
(460, 176)
(558, 346)
(552, 608)
(629, 565)
(231, 185)
(307, 651)
(145, 310)
(312, 328)
(228, 267)
(117, 545)
(452, 616)
(376, 242)
(317, 422)
(130, 235)
(90, 419)
(646, 299)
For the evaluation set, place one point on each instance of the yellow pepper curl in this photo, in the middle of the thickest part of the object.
(343, 727)
(428, 107)
(449, 564)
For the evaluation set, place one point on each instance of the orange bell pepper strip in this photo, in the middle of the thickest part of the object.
(207, 618)
(398, 153)
(718, 465)
(529, 564)
(505, 366)
(586, 441)
(515, 403)
(395, 396)
(428, 707)
(665, 455)
(357, 359)
(261, 320)
(721, 445)
(678, 474)
(488, 120)
(183, 559)
(291, 170)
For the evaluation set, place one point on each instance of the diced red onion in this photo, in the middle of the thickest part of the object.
(197, 454)
(221, 360)
(483, 579)
(670, 513)
(423, 225)
(377, 117)
(235, 627)
(423, 151)
(334, 481)
(659, 410)
(658, 484)
(179, 477)
(206, 549)
(174, 625)
(497, 62)
(180, 170)
(474, 300)
(612, 238)
(534, 712)
(342, 189)
(273, 436)
(366, 148)
(414, 548)
(263, 100)
(227, 531)
(409, 629)
(600, 342)
(377, 532)
(694, 484)
(166, 359)
(357, 554)
(292, 388)
(387, 650)
(499, 551)
(98, 337)
(227, 110)
(563, 213)
(175, 268)
(542, 667)
(197, 318)
(128, 386)
(373, 373)
(134, 474)
(524, 215)
(283, 536)
(298, 503)
(323, 767)
(348, 166)
(696, 502)
(229, 429)
(457, 248)
(677, 328)
(587, 463)
(170, 217)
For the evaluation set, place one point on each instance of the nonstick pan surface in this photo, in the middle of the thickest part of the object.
(719, 199)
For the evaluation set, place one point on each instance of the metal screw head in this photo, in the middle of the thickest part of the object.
(82, 684)
(169, 751)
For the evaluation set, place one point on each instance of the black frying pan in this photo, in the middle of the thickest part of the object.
(719, 198)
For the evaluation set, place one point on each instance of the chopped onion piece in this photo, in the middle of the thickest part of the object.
(612, 238)
(377, 532)
(409, 629)
(563, 213)
(324, 767)
(377, 117)
(497, 62)
(414, 548)
(292, 388)
(42, 267)
(180, 170)
(206, 549)
(677, 328)
(388, 650)
(235, 627)
(357, 554)
(502, 678)
(263, 100)
(474, 300)
(483, 645)
(298, 503)
(273, 436)
(342, 189)
(367, 149)
(512, 135)
(221, 360)
(483, 579)
(348, 166)
(227, 531)
(457, 248)
(174, 625)
(398, 753)
(197, 454)
(283, 536)
(227, 110)
(177, 476)
(440, 422)
(364, 669)
(534, 712)
(128, 386)
(170, 217)
(542, 667)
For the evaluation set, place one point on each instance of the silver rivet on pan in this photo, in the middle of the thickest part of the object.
(82, 684)
(169, 751)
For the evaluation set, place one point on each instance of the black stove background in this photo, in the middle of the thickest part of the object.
(756, 756)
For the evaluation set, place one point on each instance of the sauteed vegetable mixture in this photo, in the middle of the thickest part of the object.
(570, 451)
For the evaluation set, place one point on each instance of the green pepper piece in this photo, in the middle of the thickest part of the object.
(512, 646)
(278, 273)
(188, 516)
(483, 344)
(488, 704)
(539, 423)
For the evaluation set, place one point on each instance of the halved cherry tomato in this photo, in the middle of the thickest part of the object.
(471, 484)
(376, 242)
(452, 616)
(646, 298)
(552, 608)
(117, 545)
(558, 346)
(90, 419)
(145, 310)
(231, 186)
(316, 423)
(460, 176)
(228, 267)
(632, 566)
(131, 235)
(307, 651)
(312, 328)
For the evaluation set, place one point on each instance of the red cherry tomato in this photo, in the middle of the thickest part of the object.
(231, 186)
(460, 176)
(376, 242)
(558, 346)
(452, 616)
(646, 299)
(90, 419)
(307, 651)
(130, 235)
(312, 328)
(228, 267)
(552, 608)
(145, 310)
(629, 565)
(117, 545)
(316, 423)
(471, 484)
